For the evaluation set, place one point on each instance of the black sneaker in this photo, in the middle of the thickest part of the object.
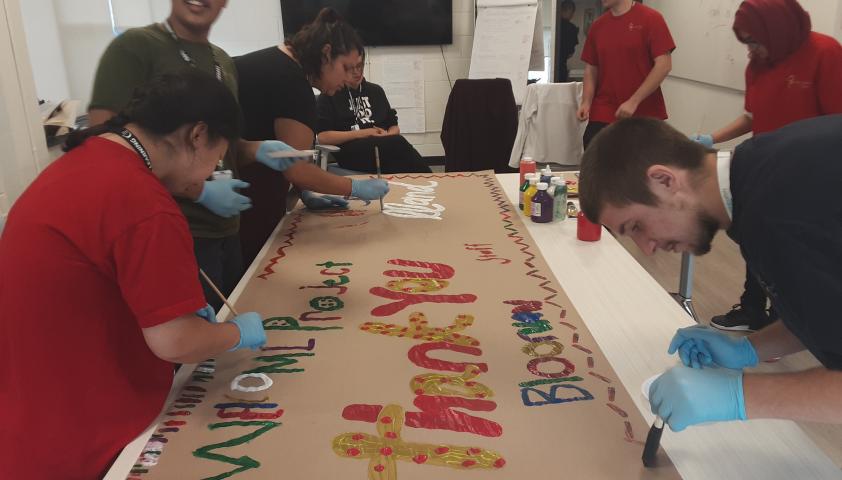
(740, 320)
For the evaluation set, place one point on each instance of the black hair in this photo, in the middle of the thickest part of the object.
(567, 5)
(169, 101)
(327, 29)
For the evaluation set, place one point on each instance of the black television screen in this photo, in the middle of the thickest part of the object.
(380, 22)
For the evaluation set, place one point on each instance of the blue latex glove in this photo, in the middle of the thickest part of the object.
(706, 140)
(700, 346)
(371, 189)
(208, 313)
(265, 150)
(220, 197)
(252, 334)
(685, 396)
(322, 202)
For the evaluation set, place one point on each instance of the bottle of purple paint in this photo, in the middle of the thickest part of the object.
(542, 205)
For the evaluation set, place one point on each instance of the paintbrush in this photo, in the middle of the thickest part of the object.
(653, 443)
(377, 164)
(218, 293)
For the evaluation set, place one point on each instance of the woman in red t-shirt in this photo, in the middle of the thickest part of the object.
(794, 74)
(99, 286)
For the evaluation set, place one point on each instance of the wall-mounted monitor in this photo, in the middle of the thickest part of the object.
(380, 22)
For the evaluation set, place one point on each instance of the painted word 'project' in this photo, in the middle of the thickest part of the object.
(426, 341)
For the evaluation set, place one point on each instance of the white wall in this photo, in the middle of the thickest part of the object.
(24, 151)
(696, 107)
(67, 38)
(45, 52)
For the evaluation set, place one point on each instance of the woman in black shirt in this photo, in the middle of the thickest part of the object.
(276, 95)
(359, 117)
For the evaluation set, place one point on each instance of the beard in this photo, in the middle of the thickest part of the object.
(708, 227)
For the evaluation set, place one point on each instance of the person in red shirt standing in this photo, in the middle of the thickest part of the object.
(99, 288)
(627, 56)
(794, 74)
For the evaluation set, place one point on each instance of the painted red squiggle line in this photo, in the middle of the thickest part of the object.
(505, 214)
(435, 175)
(293, 227)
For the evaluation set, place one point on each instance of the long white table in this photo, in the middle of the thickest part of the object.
(632, 319)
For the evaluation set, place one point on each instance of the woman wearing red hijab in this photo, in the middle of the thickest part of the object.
(794, 74)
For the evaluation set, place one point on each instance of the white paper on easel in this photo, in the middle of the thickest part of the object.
(504, 41)
(402, 79)
(412, 120)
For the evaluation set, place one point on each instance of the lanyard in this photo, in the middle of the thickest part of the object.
(186, 56)
(354, 107)
(137, 146)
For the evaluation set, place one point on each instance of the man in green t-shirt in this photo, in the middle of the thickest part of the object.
(212, 209)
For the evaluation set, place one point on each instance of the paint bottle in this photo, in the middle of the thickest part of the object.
(542, 205)
(523, 187)
(559, 199)
(527, 165)
(546, 175)
(528, 194)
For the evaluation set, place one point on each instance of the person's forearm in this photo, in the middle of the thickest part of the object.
(335, 137)
(191, 339)
(740, 126)
(810, 396)
(775, 341)
(589, 84)
(663, 65)
(246, 152)
(394, 130)
(306, 176)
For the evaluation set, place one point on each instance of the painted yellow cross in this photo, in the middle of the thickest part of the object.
(385, 449)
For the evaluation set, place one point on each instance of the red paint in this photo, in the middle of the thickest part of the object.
(469, 463)
(569, 368)
(390, 435)
(352, 452)
(385, 420)
(386, 451)
(500, 463)
(311, 344)
(474, 451)
(247, 414)
(420, 458)
(524, 305)
(194, 388)
(603, 378)
(418, 355)
(174, 423)
(379, 468)
(358, 437)
(619, 411)
(436, 414)
(404, 300)
(442, 450)
(178, 414)
(438, 271)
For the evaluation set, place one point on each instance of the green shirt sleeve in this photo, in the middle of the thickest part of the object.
(121, 69)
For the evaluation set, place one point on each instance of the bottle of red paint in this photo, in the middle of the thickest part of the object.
(527, 165)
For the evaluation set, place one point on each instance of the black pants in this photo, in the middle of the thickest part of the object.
(591, 130)
(222, 260)
(754, 298)
(397, 155)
